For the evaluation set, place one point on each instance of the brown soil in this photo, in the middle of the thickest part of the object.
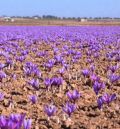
(87, 115)
(39, 22)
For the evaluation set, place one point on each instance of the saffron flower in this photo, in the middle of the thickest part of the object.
(1, 96)
(34, 83)
(62, 70)
(20, 58)
(2, 75)
(113, 78)
(73, 95)
(27, 123)
(113, 68)
(94, 78)
(56, 81)
(85, 72)
(9, 62)
(47, 82)
(2, 66)
(105, 99)
(50, 110)
(97, 86)
(69, 108)
(33, 98)
(100, 102)
(15, 121)
(31, 69)
(108, 98)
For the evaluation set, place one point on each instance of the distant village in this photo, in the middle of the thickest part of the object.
(50, 17)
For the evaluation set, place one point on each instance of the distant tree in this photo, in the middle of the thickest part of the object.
(49, 17)
(64, 18)
(117, 18)
(73, 18)
(90, 18)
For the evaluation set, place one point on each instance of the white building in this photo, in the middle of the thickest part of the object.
(83, 20)
(7, 19)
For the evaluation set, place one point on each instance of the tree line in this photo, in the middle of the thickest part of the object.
(64, 18)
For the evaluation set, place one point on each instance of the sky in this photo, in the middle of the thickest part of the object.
(61, 8)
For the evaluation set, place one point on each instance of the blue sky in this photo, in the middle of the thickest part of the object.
(67, 8)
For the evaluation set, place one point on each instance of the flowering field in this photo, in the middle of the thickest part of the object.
(60, 77)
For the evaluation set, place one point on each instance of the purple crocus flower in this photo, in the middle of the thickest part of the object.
(92, 68)
(41, 54)
(14, 121)
(97, 86)
(55, 50)
(1, 96)
(24, 52)
(96, 55)
(47, 82)
(62, 70)
(65, 66)
(100, 102)
(85, 72)
(74, 60)
(27, 123)
(31, 69)
(51, 61)
(33, 98)
(94, 78)
(117, 58)
(58, 59)
(113, 68)
(12, 125)
(56, 81)
(34, 83)
(89, 60)
(37, 72)
(3, 121)
(2, 66)
(20, 58)
(50, 110)
(5, 54)
(49, 65)
(69, 108)
(105, 99)
(74, 95)
(17, 119)
(9, 62)
(108, 98)
(27, 71)
(2, 75)
(113, 78)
